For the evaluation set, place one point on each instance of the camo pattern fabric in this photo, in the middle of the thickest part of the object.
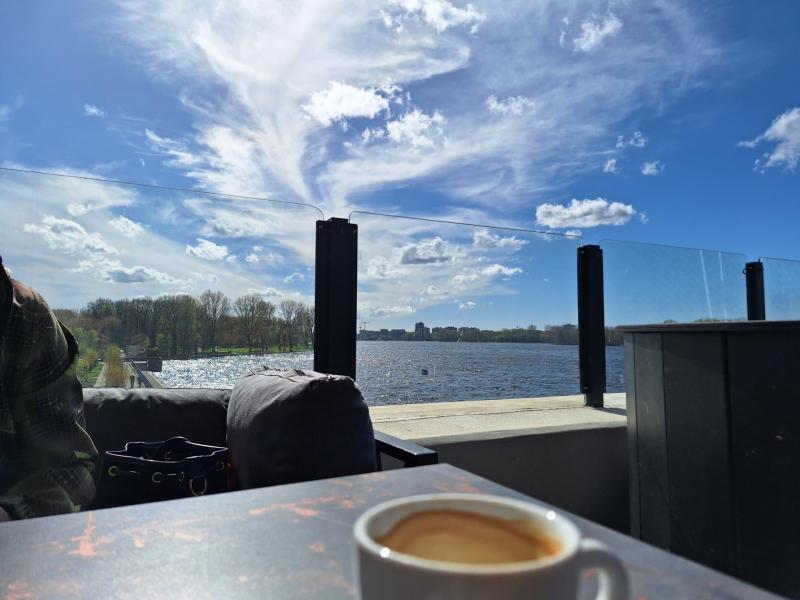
(47, 458)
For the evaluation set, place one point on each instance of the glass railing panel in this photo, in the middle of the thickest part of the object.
(650, 283)
(781, 289)
(451, 312)
(206, 286)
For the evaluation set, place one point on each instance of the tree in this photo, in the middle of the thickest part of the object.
(115, 370)
(248, 309)
(179, 314)
(289, 311)
(305, 324)
(213, 307)
(266, 324)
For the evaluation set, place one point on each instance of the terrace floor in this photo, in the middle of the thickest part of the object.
(446, 422)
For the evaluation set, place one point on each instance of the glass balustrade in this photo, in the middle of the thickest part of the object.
(781, 289)
(652, 283)
(208, 285)
(451, 311)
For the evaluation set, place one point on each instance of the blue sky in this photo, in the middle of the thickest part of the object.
(663, 121)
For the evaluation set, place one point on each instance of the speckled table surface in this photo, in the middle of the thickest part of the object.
(291, 541)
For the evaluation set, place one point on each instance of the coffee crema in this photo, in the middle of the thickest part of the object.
(466, 537)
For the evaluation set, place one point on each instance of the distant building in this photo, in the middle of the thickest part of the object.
(421, 332)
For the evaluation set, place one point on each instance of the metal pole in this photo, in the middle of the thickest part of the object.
(754, 277)
(335, 297)
(591, 325)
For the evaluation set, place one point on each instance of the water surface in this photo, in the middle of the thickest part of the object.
(403, 372)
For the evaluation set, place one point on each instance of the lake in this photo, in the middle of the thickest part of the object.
(416, 372)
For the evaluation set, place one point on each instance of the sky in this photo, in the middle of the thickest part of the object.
(650, 122)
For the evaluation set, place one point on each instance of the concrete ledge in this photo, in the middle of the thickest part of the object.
(473, 420)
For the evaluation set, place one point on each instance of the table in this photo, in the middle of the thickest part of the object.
(291, 541)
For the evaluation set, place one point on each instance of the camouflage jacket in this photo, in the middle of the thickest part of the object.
(47, 459)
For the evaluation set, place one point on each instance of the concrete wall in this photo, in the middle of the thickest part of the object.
(557, 449)
(584, 471)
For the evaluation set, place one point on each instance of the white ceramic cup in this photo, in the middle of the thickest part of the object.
(388, 575)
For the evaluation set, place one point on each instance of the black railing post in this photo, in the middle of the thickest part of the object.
(335, 297)
(591, 324)
(754, 277)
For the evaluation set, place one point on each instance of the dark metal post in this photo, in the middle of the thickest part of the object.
(754, 276)
(591, 324)
(335, 297)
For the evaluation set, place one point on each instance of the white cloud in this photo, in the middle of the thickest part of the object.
(460, 280)
(584, 213)
(387, 311)
(373, 134)
(611, 166)
(652, 168)
(207, 250)
(114, 271)
(637, 140)
(574, 232)
(245, 79)
(6, 110)
(417, 128)
(294, 277)
(252, 258)
(181, 156)
(784, 132)
(595, 30)
(126, 227)
(341, 101)
(468, 305)
(562, 35)
(513, 105)
(439, 14)
(430, 251)
(494, 270)
(483, 238)
(90, 110)
(69, 237)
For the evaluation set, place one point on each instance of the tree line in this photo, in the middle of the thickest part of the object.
(566, 334)
(182, 325)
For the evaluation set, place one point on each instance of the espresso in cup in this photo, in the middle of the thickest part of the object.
(466, 537)
(478, 547)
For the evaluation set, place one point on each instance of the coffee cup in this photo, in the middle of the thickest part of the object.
(471, 546)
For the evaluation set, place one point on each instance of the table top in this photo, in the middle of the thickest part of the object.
(290, 541)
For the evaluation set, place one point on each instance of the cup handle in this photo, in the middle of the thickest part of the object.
(613, 577)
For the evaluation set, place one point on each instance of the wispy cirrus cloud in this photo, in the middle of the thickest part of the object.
(595, 30)
(260, 131)
(6, 110)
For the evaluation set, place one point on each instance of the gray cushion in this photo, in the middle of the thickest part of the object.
(289, 426)
(115, 416)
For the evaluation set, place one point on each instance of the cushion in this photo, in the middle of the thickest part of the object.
(115, 416)
(289, 426)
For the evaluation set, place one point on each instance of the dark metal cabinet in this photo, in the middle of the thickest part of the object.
(714, 445)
